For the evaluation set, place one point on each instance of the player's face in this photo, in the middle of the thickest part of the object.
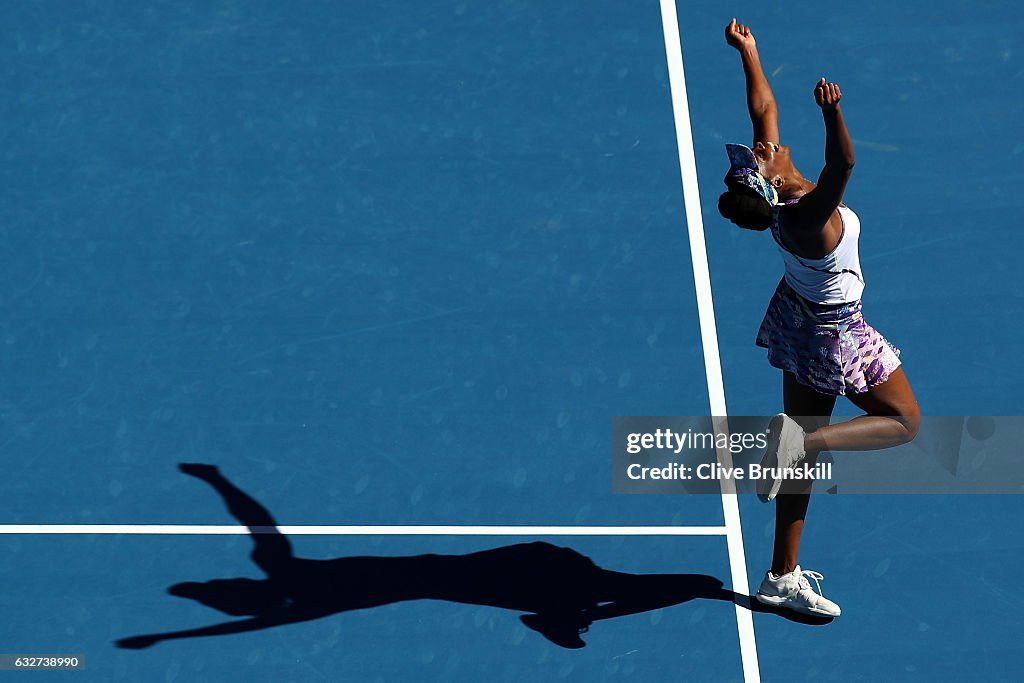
(772, 158)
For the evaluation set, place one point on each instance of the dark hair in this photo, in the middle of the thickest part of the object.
(745, 208)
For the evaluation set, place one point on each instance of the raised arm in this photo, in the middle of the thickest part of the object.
(223, 629)
(273, 551)
(817, 206)
(764, 113)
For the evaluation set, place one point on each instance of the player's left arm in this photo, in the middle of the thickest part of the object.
(817, 208)
(227, 628)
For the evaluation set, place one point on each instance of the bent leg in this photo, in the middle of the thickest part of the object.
(893, 418)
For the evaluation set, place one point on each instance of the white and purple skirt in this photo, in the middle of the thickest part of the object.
(829, 348)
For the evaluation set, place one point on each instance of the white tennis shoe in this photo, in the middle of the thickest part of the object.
(793, 591)
(785, 451)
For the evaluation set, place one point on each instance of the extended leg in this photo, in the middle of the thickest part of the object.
(812, 411)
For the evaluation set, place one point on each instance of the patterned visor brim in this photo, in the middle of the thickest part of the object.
(744, 171)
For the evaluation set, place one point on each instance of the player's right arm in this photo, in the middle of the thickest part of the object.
(764, 113)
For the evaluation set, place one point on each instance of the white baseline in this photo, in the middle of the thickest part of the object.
(362, 530)
(708, 332)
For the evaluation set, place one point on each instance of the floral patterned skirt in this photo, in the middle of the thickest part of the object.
(829, 348)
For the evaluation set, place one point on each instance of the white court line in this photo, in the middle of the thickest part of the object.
(708, 332)
(425, 530)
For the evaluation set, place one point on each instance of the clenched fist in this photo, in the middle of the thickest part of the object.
(827, 95)
(738, 35)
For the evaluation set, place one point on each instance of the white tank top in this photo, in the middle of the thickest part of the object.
(834, 279)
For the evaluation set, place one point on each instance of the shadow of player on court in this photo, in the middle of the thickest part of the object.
(562, 591)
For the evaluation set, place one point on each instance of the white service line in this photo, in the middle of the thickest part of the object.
(353, 530)
(708, 332)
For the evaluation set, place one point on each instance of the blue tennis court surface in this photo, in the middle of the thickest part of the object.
(398, 264)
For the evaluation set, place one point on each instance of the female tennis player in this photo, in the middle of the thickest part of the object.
(814, 328)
